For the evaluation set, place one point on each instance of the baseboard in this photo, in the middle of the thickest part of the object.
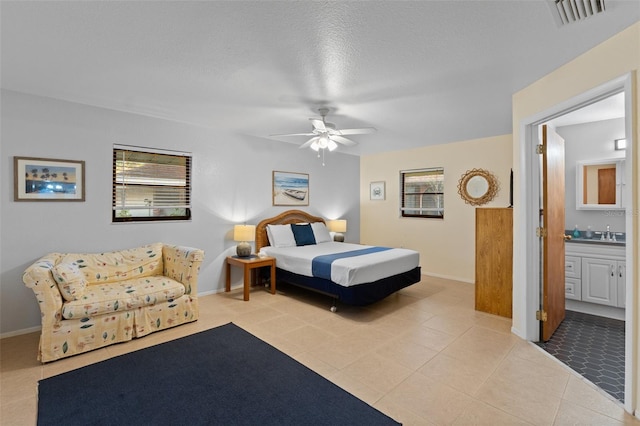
(220, 290)
(518, 333)
(20, 332)
(449, 277)
(595, 309)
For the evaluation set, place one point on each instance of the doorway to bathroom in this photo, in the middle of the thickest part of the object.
(590, 340)
(595, 267)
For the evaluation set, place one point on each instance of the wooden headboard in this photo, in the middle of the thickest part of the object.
(284, 218)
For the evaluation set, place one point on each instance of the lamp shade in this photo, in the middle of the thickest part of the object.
(339, 225)
(244, 232)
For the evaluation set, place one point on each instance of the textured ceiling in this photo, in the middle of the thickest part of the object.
(422, 73)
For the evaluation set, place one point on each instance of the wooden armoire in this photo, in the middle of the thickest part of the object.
(494, 260)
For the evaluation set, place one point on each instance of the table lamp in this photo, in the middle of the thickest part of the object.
(244, 234)
(338, 227)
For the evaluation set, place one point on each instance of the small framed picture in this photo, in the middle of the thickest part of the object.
(43, 179)
(376, 190)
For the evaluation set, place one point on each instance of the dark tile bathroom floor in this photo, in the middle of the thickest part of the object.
(592, 346)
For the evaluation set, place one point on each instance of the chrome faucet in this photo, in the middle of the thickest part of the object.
(608, 237)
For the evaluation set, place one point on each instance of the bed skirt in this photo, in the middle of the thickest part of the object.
(358, 295)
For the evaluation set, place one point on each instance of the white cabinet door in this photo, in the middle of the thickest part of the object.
(600, 281)
(622, 282)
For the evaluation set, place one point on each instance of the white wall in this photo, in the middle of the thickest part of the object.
(446, 246)
(590, 141)
(231, 184)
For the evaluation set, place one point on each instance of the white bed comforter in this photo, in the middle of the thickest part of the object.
(348, 271)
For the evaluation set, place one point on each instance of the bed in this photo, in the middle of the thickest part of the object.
(353, 274)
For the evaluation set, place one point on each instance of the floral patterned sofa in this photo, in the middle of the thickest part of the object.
(88, 301)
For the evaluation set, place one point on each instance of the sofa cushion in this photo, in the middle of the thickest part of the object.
(101, 299)
(70, 280)
(120, 265)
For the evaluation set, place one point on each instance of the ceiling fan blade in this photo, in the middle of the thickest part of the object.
(292, 134)
(309, 142)
(318, 124)
(342, 140)
(361, 131)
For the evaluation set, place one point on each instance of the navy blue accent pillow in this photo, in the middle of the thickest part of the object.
(303, 234)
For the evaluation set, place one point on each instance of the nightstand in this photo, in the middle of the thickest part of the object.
(250, 265)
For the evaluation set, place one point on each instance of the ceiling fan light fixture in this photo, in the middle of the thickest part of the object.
(323, 142)
(326, 137)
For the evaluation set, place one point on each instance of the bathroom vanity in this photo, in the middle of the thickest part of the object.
(595, 272)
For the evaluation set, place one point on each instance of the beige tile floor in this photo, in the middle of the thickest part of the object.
(423, 356)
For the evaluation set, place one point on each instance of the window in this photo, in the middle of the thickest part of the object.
(150, 185)
(423, 193)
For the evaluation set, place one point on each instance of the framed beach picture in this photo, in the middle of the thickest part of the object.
(376, 190)
(290, 189)
(44, 179)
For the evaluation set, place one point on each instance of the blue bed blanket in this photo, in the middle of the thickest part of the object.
(321, 265)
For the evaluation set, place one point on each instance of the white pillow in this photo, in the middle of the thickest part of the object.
(269, 236)
(320, 232)
(281, 236)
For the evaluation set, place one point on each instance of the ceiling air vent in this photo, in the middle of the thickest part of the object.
(568, 11)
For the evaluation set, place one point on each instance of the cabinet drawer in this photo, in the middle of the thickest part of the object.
(573, 288)
(572, 266)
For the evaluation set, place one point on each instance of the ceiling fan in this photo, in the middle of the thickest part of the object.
(325, 135)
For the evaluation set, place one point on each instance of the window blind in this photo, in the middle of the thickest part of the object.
(423, 193)
(151, 185)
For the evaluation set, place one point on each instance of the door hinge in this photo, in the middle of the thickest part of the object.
(541, 232)
(541, 316)
(540, 149)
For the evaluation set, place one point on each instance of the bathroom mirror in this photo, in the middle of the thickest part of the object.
(477, 187)
(599, 184)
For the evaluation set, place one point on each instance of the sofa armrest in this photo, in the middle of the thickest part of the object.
(39, 278)
(183, 265)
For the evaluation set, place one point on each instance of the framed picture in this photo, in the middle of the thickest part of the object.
(44, 179)
(376, 190)
(290, 189)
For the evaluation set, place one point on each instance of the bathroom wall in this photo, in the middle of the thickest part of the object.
(590, 141)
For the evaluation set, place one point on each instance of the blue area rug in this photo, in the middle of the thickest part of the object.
(222, 376)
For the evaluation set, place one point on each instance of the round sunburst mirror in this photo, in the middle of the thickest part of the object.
(477, 187)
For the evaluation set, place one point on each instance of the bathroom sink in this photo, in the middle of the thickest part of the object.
(581, 240)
